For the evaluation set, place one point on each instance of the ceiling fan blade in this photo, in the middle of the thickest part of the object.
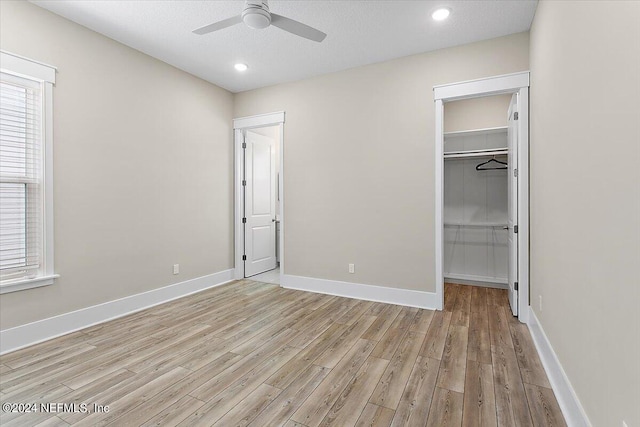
(297, 28)
(218, 25)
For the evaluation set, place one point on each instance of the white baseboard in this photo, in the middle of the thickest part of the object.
(478, 280)
(406, 297)
(484, 284)
(32, 333)
(570, 405)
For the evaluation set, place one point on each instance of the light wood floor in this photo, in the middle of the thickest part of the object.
(250, 353)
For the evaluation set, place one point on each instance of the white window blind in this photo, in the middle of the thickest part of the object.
(21, 178)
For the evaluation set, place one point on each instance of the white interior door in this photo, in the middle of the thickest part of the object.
(512, 221)
(259, 204)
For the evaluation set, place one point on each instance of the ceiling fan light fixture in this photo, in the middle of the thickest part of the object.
(257, 19)
(241, 67)
(441, 14)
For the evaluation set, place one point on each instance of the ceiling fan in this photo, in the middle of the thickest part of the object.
(256, 15)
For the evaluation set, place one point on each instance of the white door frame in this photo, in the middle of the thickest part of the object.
(240, 125)
(508, 83)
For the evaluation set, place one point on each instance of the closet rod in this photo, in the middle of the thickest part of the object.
(476, 153)
(477, 225)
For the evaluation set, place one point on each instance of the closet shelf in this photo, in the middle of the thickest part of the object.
(475, 225)
(476, 153)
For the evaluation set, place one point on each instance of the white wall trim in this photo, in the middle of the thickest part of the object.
(406, 297)
(506, 83)
(46, 329)
(259, 120)
(574, 413)
(27, 67)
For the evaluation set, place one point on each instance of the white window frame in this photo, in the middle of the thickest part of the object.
(44, 74)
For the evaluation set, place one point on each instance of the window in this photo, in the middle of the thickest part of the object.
(26, 176)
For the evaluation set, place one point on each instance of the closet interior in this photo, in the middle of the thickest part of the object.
(476, 197)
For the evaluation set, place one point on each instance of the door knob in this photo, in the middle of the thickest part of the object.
(505, 228)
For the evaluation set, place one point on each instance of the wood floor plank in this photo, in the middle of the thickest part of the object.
(479, 398)
(529, 362)
(38, 351)
(413, 409)
(290, 371)
(379, 327)
(249, 407)
(544, 406)
(454, 359)
(318, 404)
(281, 409)
(450, 295)
(479, 348)
(125, 403)
(247, 364)
(171, 394)
(351, 316)
(52, 422)
(389, 343)
(336, 351)
(436, 335)
(347, 408)
(421, 321)
(462, 306)
(376, 309)
(511, 401)
(175, 414)
(446, 409)
(220, 403)
(499, 327)
(389, 390)
(251, 344)
(478, 299)
(375, 416)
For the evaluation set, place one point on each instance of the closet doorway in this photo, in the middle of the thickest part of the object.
(258, 197)
(482, 187)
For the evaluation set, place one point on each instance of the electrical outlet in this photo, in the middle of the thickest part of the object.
(352, 268)
(176, 268)
(540, 302)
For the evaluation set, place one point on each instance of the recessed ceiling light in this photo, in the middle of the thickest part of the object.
(441, 14)
(241, 67)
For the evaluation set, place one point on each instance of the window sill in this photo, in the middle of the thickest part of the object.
(21, 285)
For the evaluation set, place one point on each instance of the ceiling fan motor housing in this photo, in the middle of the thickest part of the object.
(256, 14)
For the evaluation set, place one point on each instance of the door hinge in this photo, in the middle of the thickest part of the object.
(244, 145)
(515, 173)
(244, 182)
(515, 229)
(515, 286)
(244, 257)
(244, 220)
(515, 116)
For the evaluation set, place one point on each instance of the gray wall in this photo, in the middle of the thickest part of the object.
(585, 198)
(143, 168)
(359, 156)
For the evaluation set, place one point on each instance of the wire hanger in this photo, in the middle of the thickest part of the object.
(492, 160)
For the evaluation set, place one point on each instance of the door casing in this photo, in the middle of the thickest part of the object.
(239, 126)
(497, 85)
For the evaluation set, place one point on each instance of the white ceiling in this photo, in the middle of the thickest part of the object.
(359, 33)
